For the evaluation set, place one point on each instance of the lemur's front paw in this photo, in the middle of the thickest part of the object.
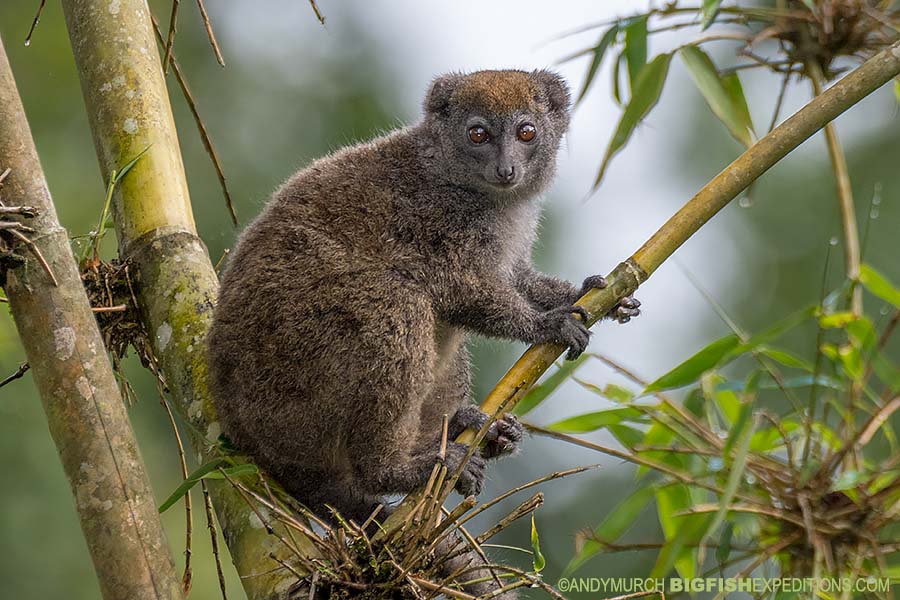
(594, 282)
(466, 417)
(471, 479)
(503, 437)
(621, 312)
(561, 326)
(625, 309)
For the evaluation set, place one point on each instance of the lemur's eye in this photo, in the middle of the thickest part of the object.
(478, 134)
(526, 132)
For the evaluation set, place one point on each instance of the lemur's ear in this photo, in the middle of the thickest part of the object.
(555, 89)
(437, 101)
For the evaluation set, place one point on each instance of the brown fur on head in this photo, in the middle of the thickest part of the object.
(499, 92)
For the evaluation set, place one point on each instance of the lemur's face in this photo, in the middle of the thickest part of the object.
(504, 151)
(499, 131)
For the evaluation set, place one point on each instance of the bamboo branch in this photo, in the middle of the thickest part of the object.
(85, 412)
(713, 197)
(176, 283)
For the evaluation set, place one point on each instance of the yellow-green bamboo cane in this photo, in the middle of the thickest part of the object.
(85, 412)
(714, 196)
(128, 106)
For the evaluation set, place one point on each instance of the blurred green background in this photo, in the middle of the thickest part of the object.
(293, 90)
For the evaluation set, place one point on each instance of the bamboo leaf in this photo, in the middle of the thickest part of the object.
(635, 48)
(740, 441)
(629, 437)
(537, 561)
(597, 420)
(776, 330)
(242, 470)
(723, 551)
(682, 532)
(608, 37)
(540, 392)
(690, 370)
(878, 284)
(191, 481)
(708, 12)
(647, 89)
(735, 89)
(837, 320)
(712, 88)
(118, 175)
(612, 527)
(616, 88)
(786, 358)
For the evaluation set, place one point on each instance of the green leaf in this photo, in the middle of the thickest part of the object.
(737, 431)
(616, 89)
(740, 441)
(635, 48)
(732, 83)
(712, 88)
(537, 561)
(191, 481)
(540, 392)
(659, 435)
(612, 527)
(721, 392)
(897, 90)
(837, 320)
(878, 284)
(597, 420)
(118, 175)
(608, 37)
(863, 333)
(851, 360)
(723, 551)
(646, 91)
(690, 370)
(708, 12)
(236, 471)
(776, 330)
(786, 358)
(617, 393)
(682, 532)
(629, 437)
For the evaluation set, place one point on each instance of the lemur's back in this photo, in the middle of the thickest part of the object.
(309, 302)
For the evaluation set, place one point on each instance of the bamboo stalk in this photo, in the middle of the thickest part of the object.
(123, 87)
(85, 412)
(713, 197)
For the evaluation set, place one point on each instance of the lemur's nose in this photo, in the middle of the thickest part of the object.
(506, 174)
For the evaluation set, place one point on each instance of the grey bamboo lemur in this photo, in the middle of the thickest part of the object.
(338, 340)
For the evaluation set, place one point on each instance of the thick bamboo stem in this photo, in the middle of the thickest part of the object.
(125, 93)
(85, 412)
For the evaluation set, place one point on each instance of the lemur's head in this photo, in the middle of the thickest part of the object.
(498, 131)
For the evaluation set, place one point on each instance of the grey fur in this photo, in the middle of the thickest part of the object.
(338, 339)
